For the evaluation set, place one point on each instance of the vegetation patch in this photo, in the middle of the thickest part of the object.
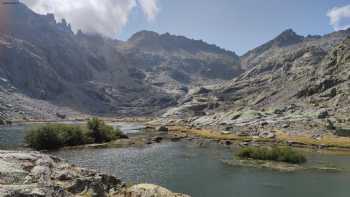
(339, 131)
(279, 154)
(54, 136)
(343, 132)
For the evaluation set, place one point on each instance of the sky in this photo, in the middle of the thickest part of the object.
(237, 25)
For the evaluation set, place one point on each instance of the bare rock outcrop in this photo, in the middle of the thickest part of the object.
(33, 174)
(148, 190)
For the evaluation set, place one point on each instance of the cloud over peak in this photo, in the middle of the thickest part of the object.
(150, 8)
(106, 17)
(339, 17)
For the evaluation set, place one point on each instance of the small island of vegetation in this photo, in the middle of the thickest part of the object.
(54, 136)
(279, 154)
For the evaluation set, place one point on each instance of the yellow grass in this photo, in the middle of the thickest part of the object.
(329, 140)
(214, 134)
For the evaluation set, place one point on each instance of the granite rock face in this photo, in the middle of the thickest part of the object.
(36, 174)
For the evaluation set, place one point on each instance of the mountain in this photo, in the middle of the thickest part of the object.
(42, 60)
(176, 63)
(285, 39)
(291, 80)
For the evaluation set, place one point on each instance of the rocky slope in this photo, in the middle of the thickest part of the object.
(176, 63)
(292, 82)
(34, 174)
(45, 60)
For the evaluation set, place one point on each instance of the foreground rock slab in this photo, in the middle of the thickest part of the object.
(33, 174)
(148, 190)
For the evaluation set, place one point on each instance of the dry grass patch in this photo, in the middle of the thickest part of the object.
(327, 140)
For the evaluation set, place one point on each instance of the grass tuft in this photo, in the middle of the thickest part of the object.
(280, 154)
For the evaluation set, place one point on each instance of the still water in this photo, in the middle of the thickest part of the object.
(187, 168)
(12, 137)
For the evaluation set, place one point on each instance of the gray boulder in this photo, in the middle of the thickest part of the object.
(148, 190)
(267, 134)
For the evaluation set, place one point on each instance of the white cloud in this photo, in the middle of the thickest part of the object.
(337, 15)
(105, 17)
(150, 8)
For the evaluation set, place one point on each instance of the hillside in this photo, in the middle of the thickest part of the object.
(298, 84)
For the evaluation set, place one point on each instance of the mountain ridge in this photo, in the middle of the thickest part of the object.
(43, 59)
(302, 86)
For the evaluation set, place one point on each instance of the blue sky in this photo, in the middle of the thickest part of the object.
(237, 25)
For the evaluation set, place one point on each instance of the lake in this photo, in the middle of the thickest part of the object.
(199, 171)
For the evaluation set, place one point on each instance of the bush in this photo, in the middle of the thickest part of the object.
(72, 135)
(101, 132)
(272, 154)
(45, 137)
(53, 136)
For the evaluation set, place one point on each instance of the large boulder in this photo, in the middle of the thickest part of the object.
(267, 134)
(148, 190)
(37, 174)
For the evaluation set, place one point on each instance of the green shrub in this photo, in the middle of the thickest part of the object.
(280, 154)
(72, 135)
(101, 132)
(53, 136)
(45, 137)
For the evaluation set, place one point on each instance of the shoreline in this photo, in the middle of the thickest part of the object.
(175, 132)
(328, 142)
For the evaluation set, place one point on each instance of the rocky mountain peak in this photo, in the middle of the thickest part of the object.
(284, 39)
(167, 43)
(287, 37)
(143, 35)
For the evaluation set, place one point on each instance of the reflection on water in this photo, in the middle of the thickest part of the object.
(184, 167)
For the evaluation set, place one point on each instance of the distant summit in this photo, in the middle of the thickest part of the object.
(284, 39)
(152, 41)
(143, 35)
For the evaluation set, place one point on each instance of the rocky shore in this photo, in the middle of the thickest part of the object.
(34, 174)
(262, 136)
